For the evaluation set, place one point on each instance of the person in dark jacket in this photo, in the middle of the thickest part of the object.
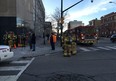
(33, 41)
(29, 40)
(52, 41)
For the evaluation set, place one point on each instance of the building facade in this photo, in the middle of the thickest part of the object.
(21, 16)
(75, 23)
(108, 24)
(97, 24)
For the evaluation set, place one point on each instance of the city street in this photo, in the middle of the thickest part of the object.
(58, 40)
(91, 63)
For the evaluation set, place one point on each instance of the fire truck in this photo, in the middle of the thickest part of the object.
(85, 34)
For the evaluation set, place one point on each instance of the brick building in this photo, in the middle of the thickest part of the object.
(108, 24)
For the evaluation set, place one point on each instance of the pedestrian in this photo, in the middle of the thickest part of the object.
(47, 36)
(29, 40)
(53, 41)
(33, 41)
(23, 40)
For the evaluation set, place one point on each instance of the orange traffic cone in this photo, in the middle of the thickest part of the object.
(14, 45)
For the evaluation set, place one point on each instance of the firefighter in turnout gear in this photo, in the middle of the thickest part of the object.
(5, 38)
(67, 40)
(12, 39)
(74, 45)
(10, 42)
(69, 44)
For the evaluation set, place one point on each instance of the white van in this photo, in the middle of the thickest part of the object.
(5, 53)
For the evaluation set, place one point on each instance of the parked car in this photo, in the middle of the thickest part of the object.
(5, 53)
(113, 38)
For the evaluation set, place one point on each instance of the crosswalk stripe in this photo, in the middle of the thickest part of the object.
(24, 68)
(111, 47)
(12, 71)
(7, 78)
(12, 68)
(22, 61)
(94, 48)
(84, 49)
(103, 48)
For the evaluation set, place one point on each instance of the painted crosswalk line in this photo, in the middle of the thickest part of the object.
(84, 49)
(111, 47)
(87, 49)
(13, 70)
(103, 48)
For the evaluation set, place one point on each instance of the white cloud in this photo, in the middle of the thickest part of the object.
(103, 9)
(90, 9)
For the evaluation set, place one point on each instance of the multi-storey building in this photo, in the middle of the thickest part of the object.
(75, 23)
(21, 15)
(96, 23)
(108, 24)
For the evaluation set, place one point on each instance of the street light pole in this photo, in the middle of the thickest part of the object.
(61, 20)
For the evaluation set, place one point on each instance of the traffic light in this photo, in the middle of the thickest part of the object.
(91, 1)
(62, 20)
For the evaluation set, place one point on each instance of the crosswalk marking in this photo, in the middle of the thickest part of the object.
(94, 48)
(24, 69)
(103, 48)
(22, 61)
(12, 71)
(84, 49)
(97, 48)
(7, 78)
(111, 47)
(6, 68)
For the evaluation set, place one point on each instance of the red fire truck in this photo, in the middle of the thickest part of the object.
(85, 34)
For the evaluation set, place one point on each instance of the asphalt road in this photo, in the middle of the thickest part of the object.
(93, 65)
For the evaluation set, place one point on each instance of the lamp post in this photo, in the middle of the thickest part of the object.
(22, 25)
(62, 11)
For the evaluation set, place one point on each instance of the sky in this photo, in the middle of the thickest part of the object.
(84, 11)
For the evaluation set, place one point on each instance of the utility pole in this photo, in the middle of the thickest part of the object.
(35, 13)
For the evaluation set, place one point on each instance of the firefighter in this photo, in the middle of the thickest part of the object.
(10, 41)
(64, 46)
(67, 44)
(73, 46)
(5, 38)
(14, 37)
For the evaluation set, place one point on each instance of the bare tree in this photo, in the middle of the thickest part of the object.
(57, 17)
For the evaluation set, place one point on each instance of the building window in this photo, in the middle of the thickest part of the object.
(115, 17)
(110, 32)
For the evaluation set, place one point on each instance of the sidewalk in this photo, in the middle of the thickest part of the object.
(41, 50)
